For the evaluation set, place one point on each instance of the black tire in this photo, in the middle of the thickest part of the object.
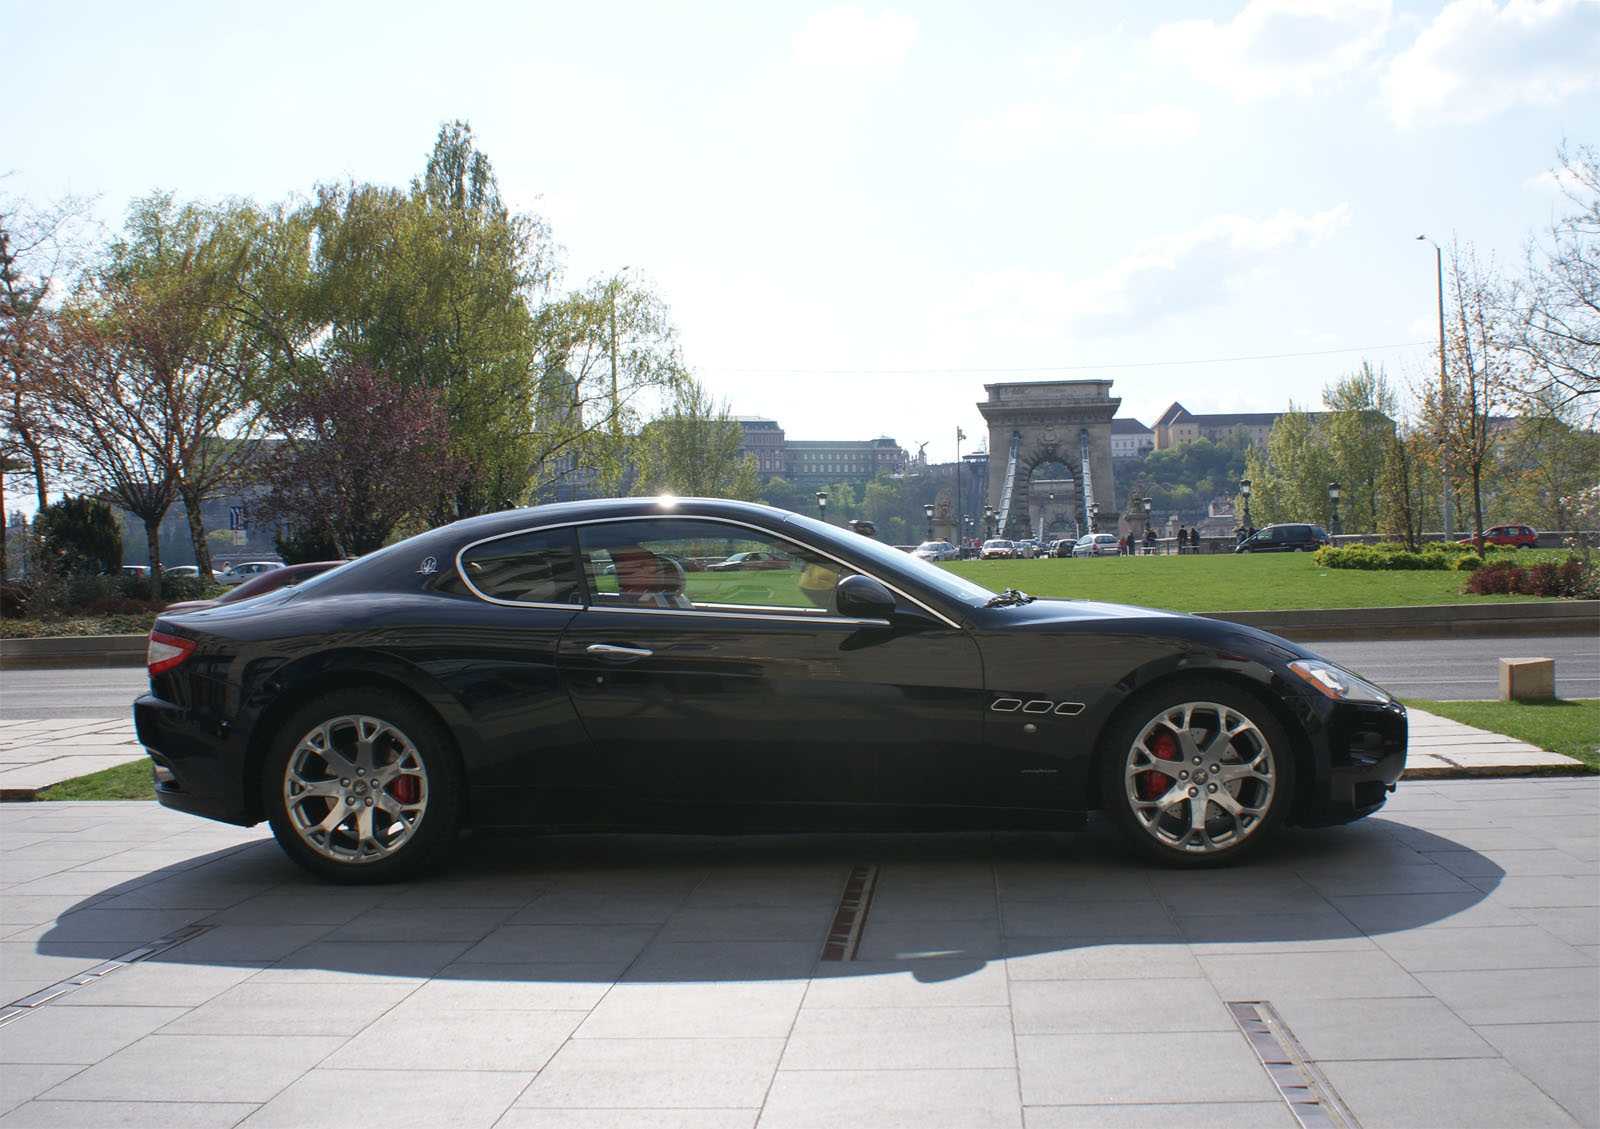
(400, 796)
(1220, 742)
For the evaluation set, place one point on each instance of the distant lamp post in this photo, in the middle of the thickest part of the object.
(822, 505)
(1444, 393)
(1094, 517)
(1149, 504)
(988, 523)
(927, 509)
(1244, 488)
(1333, 497)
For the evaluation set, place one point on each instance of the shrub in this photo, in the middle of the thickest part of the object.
(80, 535)
(1571, 579)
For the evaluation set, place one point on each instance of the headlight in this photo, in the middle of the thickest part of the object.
(1338, 683)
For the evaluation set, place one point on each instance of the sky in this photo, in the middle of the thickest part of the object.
(861, 214)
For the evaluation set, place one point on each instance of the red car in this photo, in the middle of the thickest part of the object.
(1513, 536)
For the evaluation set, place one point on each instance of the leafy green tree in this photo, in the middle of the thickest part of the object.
(1290, 480)
(1404, 498)
(186, 263)
(1544, 464)
(780, 492)
(437, 287)
(610, 361)
(693, 450)
(1358, 427)
(80, 535)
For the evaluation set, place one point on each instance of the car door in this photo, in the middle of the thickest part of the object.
(758, 696)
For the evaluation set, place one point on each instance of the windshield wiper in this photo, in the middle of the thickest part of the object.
(1009, 597)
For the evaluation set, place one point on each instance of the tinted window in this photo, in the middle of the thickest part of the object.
(700, 564)
(525, 568)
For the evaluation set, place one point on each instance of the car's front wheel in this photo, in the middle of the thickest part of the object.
(1196, 773)
(362, 786)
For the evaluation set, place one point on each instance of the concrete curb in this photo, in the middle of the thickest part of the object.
(1441, 621)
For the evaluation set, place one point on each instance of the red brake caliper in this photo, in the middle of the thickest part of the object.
(405, 789)
(1154, 785)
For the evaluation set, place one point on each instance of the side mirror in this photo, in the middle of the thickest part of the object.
(861, 597)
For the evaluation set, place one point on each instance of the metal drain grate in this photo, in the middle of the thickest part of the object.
(1310, 1097)
(844, 935)
(73, 983)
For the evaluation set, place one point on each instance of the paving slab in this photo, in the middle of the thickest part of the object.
(1437, 963)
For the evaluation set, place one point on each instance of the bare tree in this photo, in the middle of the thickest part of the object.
(39, 249)
(119, 408)
(1481, 375)
(1554, 313)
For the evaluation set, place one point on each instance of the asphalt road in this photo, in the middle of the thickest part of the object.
(1440, 669)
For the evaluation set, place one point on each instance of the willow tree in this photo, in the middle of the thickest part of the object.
(438, 286)
(694, 449)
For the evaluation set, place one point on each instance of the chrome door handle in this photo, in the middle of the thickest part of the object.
(615, 654)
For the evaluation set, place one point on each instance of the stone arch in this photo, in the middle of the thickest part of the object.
(1061, 421)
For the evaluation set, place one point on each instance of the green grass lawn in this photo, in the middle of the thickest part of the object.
(125, 782)
(1571, 728)
(1223, 582)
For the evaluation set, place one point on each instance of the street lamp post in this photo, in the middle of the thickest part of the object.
(1244, 488)
(822, 505)
(927, 509)
(1333, 498)
(1444, 395)
(1094, 517)
(988, 523)
(616, 417)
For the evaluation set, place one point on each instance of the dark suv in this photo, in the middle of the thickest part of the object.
(1289, 537)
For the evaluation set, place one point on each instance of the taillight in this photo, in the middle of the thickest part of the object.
(166, 651)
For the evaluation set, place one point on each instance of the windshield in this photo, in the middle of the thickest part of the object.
(948, 584)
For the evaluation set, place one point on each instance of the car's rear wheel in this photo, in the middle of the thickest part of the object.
(1196, 773)
(362, 786)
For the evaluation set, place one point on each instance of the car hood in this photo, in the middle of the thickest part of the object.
(1050, 615)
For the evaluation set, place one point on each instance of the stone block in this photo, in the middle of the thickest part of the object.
(1527, 680)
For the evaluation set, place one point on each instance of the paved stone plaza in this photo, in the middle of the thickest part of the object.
(1434, 965)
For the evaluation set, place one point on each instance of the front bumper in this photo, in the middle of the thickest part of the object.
(1364, 749)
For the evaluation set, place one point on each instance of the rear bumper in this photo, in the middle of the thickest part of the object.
(197, 769)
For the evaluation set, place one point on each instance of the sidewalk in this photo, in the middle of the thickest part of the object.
(1434, 965)
(37, 754)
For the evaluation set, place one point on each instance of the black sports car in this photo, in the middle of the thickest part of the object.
(558, 667)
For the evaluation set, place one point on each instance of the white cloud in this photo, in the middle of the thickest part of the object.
(1159, 123)
(1160, 278)
(1479, 57)
(1273, 46)
(1028, 122)
(849, 41)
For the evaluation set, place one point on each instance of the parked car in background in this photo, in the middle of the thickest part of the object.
(490, 673)
(936, 551)
(998, 548)
(260, 584)
(750, 561)
(244, 570)
(1031, 548)
(136, 570)
(1063, 547)
(1095, 545)
(187, 570)
(1285, 537)
(1511, 536)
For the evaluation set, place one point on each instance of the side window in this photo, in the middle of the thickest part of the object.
(703, 565)
(525, 568)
